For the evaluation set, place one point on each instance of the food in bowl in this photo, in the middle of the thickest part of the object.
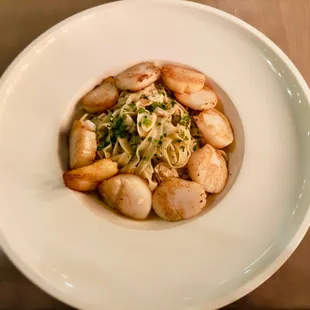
(151, 138)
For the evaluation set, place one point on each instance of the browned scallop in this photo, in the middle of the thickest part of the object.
(200, 100)
(128, 194)
(207, 167)
(215, 128)
(180, 79)
(82, 144)
(87, 178)
(101, 98)
(177, 199)
(138, 76)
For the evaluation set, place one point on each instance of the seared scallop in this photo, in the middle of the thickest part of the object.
(87, 178)
(215, 128)
(207, 167)
(128, 194)
(180, 79)
(177, 199)
(102, 97)
(82, 144)
(138, 76)
(200, 100)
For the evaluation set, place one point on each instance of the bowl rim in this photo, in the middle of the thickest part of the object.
(272, 267)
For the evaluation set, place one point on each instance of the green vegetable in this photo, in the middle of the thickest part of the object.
(146, 122)
(141, 110)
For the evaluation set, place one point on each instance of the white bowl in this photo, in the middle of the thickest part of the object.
(94, 262)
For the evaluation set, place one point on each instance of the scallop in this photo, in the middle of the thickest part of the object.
(128, 194)
(200, 100)
(164, 171)
(101, 98)
(138, 76)
(180, 79)
(176, 199)
(215, 128)
(82, 144)
(208, 167)
(87, 178)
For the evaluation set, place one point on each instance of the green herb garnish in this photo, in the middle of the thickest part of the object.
(146, 122)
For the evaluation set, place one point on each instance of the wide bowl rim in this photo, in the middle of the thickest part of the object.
(272, 267)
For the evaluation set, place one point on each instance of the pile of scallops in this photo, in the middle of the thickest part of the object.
(175, 198)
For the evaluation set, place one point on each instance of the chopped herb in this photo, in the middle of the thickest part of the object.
(140, 124)
(133, 106)
(182, 134)
(118, 128)
(160, 142)
(143, 97)
(146, 122)
(195, 147)
(141, 110)
(183, 148)
(173, 103)
(149, 139)
(186, 138)
(165, 134)
(153, 106)
(179, 140)
(100, 147)
(196, 136)
(161, 137)
(159, 123)
(185, 120)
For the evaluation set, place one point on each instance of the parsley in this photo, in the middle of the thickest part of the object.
(141, 110)
(149, 139)
(173, 103)
(153, 106)
(143, 97)
(183, 148)
(146, 122)
(195, 147)
(165, 134)
(100, 147)
(159, 123)
(133, 106)
(185, 120)
(119, 127)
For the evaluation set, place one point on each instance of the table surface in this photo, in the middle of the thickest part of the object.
(286, 22)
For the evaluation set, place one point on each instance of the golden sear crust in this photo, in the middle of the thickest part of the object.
(138, 76)
(208, 167)
(176, 199)
(87, 178)
(102, 97)
(200, 100)
(180, 79)
(215, 128)
(82, 144)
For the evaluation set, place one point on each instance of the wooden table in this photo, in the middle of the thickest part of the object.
(286, 22)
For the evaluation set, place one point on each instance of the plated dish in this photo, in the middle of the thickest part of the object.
(89, 258)
(151, 138)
